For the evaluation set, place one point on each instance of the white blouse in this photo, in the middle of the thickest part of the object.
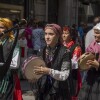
(16, 55)
(63, 74)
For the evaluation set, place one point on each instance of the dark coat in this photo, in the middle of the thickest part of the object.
(57, 90)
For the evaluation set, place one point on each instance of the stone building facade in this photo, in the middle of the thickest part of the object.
(63, 12)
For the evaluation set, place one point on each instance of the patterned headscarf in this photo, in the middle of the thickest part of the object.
(50, 51)
(56, 28)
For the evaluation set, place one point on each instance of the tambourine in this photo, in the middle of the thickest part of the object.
(83, 60)
(28, 67)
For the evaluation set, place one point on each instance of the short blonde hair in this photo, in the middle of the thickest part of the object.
(7, 24)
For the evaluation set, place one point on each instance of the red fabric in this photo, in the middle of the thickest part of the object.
(22, 51)
(79, 81)
(74, 98)
(17, 95)
(78, 53)
(79, 85)
(68, 45)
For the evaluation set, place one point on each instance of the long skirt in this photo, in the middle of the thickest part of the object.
(90, 92)
(63, 95)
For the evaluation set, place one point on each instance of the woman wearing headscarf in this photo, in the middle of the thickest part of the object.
(9, 62)
(53, 84)
(68, 40)
(91, 87)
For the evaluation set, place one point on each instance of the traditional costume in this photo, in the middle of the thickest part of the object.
(75, 51)
(7, 91)
(55, 86)
(91, 86)
(75, 54)
(9, 61)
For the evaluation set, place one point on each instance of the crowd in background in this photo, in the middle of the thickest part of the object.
(75, 37)
(34, 36)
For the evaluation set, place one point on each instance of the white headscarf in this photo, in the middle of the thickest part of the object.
(97, 26)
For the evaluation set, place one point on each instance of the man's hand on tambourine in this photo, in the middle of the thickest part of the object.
(93, 63)
(41, 70)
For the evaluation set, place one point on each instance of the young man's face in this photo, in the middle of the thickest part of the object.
(51, 37)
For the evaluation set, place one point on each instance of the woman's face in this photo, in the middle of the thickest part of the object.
(51, 37)
(2, 28)
(66, 36)
(97, 35)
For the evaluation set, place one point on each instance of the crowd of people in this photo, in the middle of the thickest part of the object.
(60, 48)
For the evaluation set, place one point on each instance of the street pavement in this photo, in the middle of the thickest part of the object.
(26, 90)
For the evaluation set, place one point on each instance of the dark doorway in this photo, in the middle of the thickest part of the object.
(53, 11)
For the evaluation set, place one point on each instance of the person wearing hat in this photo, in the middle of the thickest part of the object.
(91, 86)
(53, 84)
